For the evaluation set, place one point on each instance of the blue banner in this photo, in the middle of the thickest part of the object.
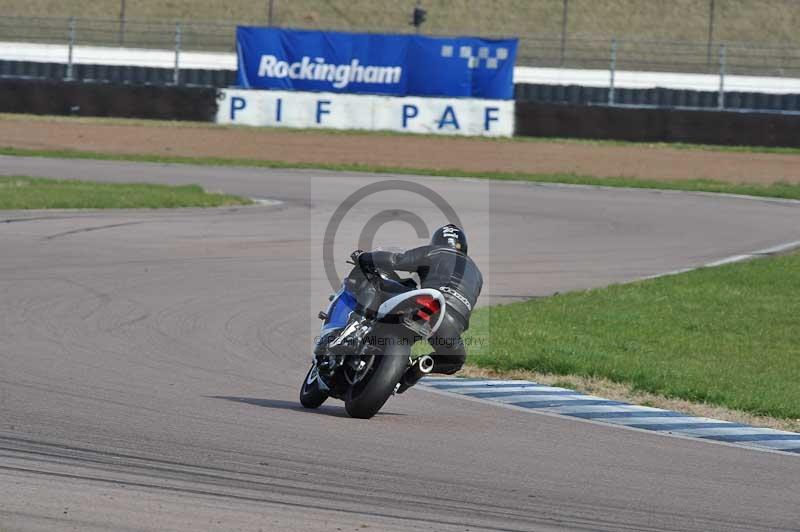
(398, 65)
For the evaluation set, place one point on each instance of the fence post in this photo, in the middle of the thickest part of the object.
(613, 71)
(722, 67)
(564, 18)
(712, 15)
(122, 23)
(176, 76)
(270, 12)
(70, 48)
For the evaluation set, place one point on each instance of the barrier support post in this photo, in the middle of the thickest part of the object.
(70, 48)
(722, 67)
(176, 76)
(612, 81)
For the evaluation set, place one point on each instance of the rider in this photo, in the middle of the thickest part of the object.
(444, 266)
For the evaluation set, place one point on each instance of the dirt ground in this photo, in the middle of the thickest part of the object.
(480, 155)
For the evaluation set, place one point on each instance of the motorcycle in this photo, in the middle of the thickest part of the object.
(363, 354)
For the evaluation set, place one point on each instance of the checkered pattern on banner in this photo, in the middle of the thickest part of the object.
(490, 58)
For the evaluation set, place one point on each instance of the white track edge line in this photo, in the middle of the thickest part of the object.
(733, 259)
(653, 433)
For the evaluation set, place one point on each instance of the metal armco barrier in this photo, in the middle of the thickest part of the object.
(122, 74)
(657, 125)
(531, 119)
(657, 98)
(111, 100)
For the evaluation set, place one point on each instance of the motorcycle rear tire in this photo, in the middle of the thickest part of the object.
(366, 398)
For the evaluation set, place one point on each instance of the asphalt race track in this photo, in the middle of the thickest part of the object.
(150, 364)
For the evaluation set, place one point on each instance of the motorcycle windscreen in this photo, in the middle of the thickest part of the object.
(340, 310)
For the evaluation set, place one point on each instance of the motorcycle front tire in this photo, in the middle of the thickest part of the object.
(311, 394)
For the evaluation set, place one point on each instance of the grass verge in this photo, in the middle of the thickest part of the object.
(723, 336)
(20, 193)
(775, 190)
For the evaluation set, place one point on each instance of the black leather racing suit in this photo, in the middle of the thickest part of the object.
(454, 274)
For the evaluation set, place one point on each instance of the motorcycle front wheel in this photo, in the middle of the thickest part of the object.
(311, 394)
(365, 398)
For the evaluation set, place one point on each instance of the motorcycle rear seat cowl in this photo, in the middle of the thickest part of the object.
(393, 287)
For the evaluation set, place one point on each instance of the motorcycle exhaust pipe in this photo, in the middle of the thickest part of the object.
(425, 364)
(422, 366)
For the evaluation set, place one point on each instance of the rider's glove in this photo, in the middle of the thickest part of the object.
(355, 255)
(363, 259)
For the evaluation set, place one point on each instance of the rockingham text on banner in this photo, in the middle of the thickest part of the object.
(398, 65)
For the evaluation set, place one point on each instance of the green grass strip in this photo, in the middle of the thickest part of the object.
(728, 336)
(19, 193)
(775, 190)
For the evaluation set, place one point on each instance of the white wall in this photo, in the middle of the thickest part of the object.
(104, 55)
(323, 110)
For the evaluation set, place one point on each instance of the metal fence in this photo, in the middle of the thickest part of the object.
(567, 51)
(661, 56)
(190, 35)
(578, 51)
(164, 52)
(708, 21)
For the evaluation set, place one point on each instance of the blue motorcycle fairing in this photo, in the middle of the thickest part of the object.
(339, 311)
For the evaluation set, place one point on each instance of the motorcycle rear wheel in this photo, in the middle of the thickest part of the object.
(365, 398)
